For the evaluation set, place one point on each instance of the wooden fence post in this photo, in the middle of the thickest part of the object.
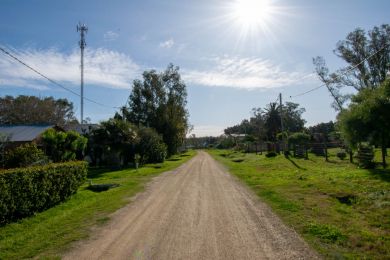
(350, 155)
(326, 151)
(306, 153)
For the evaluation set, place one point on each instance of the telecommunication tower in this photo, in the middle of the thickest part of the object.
(83, 29)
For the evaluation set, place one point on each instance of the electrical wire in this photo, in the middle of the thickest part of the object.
(311, 90)
(347, 71)
(51, 80)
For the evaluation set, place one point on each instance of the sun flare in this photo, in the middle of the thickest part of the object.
(252, 13)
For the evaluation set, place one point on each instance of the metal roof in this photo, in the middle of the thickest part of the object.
(23, 133)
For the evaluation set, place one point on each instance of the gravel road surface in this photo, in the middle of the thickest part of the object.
(198, 211)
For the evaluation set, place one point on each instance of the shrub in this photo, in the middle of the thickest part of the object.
(341, 155)
(4, 139)
(24, 155)
(25, 191)
(113, 143)
(61, 146)
(325, 232)
(298, 138)
(225, 143)
(282, 136)
(271, 154)
(151, 147)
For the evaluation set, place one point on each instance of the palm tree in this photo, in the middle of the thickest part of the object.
(272, 120)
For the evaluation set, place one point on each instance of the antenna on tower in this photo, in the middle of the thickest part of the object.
(83, 29)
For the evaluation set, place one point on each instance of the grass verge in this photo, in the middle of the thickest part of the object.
(342, 211)
(49, 233)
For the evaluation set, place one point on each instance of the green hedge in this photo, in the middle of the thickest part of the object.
(25, 191)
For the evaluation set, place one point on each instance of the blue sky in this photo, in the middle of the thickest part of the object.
(229, 63)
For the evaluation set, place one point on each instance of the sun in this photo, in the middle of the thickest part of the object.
(253, 24)
(252, 13)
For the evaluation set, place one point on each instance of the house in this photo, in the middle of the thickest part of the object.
(21, 134)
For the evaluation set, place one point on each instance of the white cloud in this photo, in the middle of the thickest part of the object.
(207, 130)
(167, 44)
(245, 73)
(102, 67)
(110, 36)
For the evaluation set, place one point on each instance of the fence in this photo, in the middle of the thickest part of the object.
(364, 156)
(299, 150)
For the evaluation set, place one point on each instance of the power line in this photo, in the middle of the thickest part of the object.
(347, 71)
(311, 90)
(49, 79)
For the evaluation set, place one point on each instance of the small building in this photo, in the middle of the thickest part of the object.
(20, 134)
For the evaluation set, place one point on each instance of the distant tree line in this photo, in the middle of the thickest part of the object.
(266, 123)
(31, 110)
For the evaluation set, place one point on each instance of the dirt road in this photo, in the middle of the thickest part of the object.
(198, 211)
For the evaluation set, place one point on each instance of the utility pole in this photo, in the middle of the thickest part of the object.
(281, 118)
(83, 29)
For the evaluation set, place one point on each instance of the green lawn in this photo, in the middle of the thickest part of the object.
(342, 211)
(49, 233)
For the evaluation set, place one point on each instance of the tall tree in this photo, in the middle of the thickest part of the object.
(323, 131)
(258, 123)
(272, 120)
(159, 101)
(323, 128)
(146, 98)
(367, 119)
(35, 110)
(292, 117)
(368, 60)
